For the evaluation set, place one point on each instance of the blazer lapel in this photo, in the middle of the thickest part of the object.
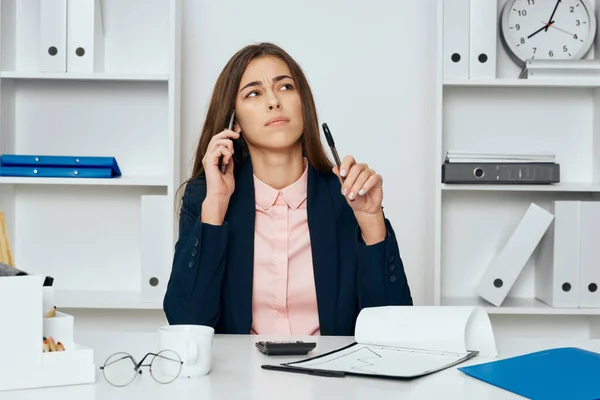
(240, 254)
(324, 247)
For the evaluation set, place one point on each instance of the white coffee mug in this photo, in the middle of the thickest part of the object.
(193, 344)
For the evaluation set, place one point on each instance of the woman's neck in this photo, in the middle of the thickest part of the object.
(278, 170)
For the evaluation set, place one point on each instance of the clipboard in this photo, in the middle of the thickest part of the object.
(403, 343)
(385, 362)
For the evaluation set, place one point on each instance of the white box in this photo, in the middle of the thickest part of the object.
(23, 364)
(506, 267)
(557, 264)
(483, 39)
(456, 39)
(76, 355)
(589, 292)
(60, 328)
(53, 36)
(21, 332)
(85, 36)
(61, 368)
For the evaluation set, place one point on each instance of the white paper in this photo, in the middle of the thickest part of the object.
(382, 360)
(454, 329)
(476, 157)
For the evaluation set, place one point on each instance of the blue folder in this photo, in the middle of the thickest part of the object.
(562, 373)
(58, 166)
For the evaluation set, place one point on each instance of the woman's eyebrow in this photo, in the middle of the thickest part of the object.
(281, 77)
(258, 83)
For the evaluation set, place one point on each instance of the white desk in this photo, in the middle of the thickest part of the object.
(236, 374)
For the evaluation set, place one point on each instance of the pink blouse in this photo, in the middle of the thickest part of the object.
(284, 299)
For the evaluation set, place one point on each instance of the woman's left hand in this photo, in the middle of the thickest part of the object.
(362, 187)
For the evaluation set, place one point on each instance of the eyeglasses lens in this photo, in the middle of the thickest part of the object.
(119, 369)
(165, 366)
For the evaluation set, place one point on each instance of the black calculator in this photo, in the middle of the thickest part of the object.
(274, 348)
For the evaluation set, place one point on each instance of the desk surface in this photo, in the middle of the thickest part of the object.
(236, 374)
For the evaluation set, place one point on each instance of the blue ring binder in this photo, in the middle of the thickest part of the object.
(48, 166)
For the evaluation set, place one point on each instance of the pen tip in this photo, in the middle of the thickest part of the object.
(328, 135)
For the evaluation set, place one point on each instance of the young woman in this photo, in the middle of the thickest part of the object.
(282, 242)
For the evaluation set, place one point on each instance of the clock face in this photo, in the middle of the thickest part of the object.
(548, 29)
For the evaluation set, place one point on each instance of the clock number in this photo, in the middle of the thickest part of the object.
(522, 40)
(551, 53)
(572, 9)
(518, 27)
(531, 2)
(522, 13)
(565, 48)
(577, 23)
(534, 49)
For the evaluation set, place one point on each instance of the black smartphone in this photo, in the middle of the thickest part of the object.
(222, 166)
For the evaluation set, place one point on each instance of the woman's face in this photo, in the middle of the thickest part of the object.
(268, 105)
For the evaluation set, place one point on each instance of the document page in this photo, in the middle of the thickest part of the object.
(384, 361)
(446, 329)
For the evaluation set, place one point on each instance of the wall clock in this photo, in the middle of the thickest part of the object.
(547, 29)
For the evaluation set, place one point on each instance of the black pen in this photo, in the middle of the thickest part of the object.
(308, 371)
(331, 144)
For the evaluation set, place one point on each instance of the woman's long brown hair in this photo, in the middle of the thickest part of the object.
(223, 102)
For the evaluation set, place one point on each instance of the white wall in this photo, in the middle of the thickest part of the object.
(371, 67)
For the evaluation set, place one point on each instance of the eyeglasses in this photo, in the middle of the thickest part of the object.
(120, 369)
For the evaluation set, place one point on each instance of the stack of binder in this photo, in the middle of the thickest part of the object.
(470, 31)
(567, 273)
(496, 168)
(562, 241)
(71, 36)
(49, 166)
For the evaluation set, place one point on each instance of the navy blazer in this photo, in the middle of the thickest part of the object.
(212, 272)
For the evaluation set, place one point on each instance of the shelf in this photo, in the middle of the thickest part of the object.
(518, 306)
(100, 238)
(84, 76)
(123, 181)
(102, 299)
(560, 187)
(516, 83)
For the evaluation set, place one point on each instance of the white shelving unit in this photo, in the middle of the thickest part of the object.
(518, 83)
(90, 234)
(508, 114)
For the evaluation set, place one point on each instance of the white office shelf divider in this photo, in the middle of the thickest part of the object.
(84, 76)
(558, 187)
(103, 240)
(524, 83)
(507, 114)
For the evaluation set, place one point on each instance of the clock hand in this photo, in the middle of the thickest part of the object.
(538, 31)
(562, 30)
(554, 11)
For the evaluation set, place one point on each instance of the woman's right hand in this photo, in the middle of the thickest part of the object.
(219, 186)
